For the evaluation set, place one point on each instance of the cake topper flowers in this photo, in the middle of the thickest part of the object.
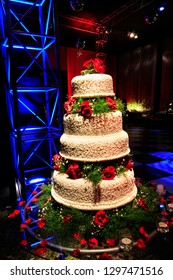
(93, 66)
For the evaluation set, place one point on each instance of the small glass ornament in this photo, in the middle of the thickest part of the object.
(160, 189)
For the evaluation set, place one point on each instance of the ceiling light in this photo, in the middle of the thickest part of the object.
(132, 35)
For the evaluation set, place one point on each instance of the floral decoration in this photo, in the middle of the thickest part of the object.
(100, 229)
(97, 229)
(86, 110)
(74, 171)
(97, 105)
(95, 172)
(101, 218)
(108, 173)
(93, 66)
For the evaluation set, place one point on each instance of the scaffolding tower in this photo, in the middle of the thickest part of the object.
(30, 52)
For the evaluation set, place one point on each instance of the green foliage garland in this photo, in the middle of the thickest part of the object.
(131, 216)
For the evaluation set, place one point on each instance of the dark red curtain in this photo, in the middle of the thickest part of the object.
(136, 75)
(167, 75)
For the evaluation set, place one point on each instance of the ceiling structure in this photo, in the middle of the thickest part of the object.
(118, 17)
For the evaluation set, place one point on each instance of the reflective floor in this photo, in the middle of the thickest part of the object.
(151, 147)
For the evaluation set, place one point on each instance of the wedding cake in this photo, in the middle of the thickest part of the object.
(93, 169)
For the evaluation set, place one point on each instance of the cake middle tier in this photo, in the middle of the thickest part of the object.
(100, 124)
(95, 148)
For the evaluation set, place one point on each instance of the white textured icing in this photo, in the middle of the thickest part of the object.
(82, 194)
(100, 124)
(92, 85)
(95, 139)
(95, 148)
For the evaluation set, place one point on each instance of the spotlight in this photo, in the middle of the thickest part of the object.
(37, 180)
(161, 7)
(132, 35)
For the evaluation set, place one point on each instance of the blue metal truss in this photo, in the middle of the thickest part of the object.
(33, 92)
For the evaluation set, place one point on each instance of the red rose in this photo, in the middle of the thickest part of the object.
(108, 173)
(74, 171)
(129, 165)
(88, 63)
(99, 65)
(100, 218)
(68, 104)
(111, 103)
(105, 256)
(56, 158)
(93, 242)
(86, 110)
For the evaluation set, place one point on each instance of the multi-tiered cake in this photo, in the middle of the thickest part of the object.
(93, 169)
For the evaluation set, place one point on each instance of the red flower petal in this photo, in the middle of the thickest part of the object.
(21, 203)
(24, 243)
(41, 223)
(22, 226)
(110, 242)
(142, 231)
(34, 192)
(16, 212)
(28, 221)
(40, 250)
(35, 199)
(28, 208)
(141, 244)
(43, 242)
(12, 215)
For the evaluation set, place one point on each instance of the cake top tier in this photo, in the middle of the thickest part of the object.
(92, 85)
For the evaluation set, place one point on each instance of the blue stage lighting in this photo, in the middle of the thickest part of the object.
(37, 180)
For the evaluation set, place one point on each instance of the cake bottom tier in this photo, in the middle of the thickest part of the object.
(82, 194)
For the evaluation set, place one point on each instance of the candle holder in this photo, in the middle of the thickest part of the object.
(125, 240)
(162, 226)
(170, 207)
